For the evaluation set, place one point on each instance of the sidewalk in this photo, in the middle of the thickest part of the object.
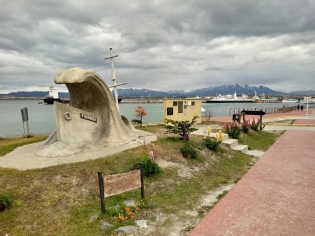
(272, 117)
(276, 196)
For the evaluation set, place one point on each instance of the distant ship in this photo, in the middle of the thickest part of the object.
(119, 97)
(263, 99)
(53, 96)
(290, 100)
(230, 99)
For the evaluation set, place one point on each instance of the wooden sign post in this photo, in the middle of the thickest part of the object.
(115, 184)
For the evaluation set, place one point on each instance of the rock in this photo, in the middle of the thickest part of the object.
(115, 208)
(126, 229)
(93, 217)
(105, 225)
(159, 216)
(129, 203)
(152, 203)
(142, 223)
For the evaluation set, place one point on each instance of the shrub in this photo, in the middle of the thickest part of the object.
(234, 130)
(122, 213)
(211, 144)
(138, 122)
(5, 201)
(182, 128)
(254, 125)
(208, 115)
(189, 151)
(245, 126)
(245, 129)
(149, 168)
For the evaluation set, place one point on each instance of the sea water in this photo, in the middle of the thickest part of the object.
(42, 117)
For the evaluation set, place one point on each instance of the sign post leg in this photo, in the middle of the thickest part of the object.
(142, 184)
(102, 195)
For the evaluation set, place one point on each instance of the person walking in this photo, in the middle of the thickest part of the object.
(298, 107)
(301, 107)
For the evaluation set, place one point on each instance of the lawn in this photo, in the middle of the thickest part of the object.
(60, 200)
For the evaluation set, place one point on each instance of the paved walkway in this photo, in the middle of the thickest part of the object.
(276, 196)
(272, 117)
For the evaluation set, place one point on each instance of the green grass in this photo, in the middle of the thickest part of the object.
(212, 123)
(60, 200)
(259, 140)
(150, 128)
(9, 144)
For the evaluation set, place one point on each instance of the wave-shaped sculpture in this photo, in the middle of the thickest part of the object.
(90, 119)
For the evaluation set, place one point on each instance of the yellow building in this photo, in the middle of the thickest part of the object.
(182, 109)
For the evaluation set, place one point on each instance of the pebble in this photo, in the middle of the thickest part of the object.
(93, 217)
(142, 223)
(126, 229)
(129, 203)
(105, 225)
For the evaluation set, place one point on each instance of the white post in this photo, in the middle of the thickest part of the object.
(114, 76)
(307, 99)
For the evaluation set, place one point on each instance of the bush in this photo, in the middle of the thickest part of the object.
(254, 125)
(138, 122)
(245, 129)
(122, 213)
(182, 128)
(189, 151)
(234, 130)
(211, 144)
(149, 168)
(5, 201)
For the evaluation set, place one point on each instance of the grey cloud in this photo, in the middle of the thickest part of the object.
(161, 42)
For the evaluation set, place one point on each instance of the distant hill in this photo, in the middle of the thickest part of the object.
(230, 89)
(131, 92)
(210, 91)
(38, 94)
(307, 92)
(202, 92)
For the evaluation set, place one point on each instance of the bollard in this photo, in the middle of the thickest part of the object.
(24, 114)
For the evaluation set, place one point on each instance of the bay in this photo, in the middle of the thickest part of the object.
(42, 116)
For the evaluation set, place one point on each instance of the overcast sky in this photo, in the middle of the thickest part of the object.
(162, 45)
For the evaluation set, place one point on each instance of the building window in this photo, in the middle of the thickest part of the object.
(174, 104)
(180, 107)
(169, 111)
(193, 103)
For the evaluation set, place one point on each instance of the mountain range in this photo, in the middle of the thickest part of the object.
(202, 92)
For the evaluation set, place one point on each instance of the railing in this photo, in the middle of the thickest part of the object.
(268, 110)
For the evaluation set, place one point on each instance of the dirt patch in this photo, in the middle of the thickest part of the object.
(181, 224)
(182, 170)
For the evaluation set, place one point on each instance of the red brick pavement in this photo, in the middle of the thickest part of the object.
(276, 196)
(304, 122)
(276, 115)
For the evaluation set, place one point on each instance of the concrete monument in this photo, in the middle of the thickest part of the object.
(90, 119)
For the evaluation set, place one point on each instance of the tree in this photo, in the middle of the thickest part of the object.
(208, 115)
(182, 128)
(140, 113)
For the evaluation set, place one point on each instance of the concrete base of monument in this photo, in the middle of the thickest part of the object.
(35, 156)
